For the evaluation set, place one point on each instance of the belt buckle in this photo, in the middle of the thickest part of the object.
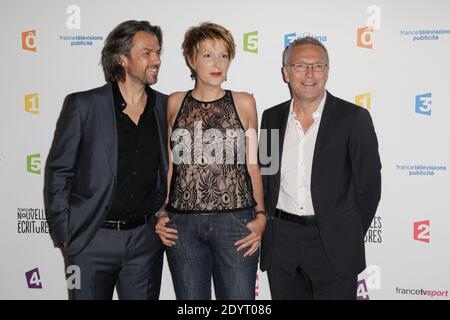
(118, 224)
(277, 213)
(280, 214)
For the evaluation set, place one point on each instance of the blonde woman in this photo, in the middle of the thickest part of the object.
(215, 217)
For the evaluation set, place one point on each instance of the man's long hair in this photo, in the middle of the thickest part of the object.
(119, 42)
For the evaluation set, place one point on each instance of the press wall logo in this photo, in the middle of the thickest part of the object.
(34, 163)
(33, 279)
(423, 104)
(73, 277)
(364, 35)
(289, 37)
(364, 100)
(32, 103)
(425, 34)
(421, 231)
(29, 40)
(73, 22)
(362, 293)
(374, 234)
(74, 19)
(421, 169)
(371, 280)
(32, 221)
(251, 42)
(431, 293)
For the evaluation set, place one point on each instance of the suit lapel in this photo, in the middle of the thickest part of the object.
(107, 125)
(160, 117)
(281, 125)
(326, 127)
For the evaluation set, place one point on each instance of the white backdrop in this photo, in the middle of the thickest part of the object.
(391, 57)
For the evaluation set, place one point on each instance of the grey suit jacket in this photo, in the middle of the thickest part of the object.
(81, 169)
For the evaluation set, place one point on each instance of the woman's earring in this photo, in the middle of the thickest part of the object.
(193, 74)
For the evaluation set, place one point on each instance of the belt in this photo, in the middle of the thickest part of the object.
(126, 224)
(303, 220)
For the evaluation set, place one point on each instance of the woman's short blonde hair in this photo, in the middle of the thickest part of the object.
(194, 37)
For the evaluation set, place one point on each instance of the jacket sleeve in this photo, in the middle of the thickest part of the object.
(366, 166)
(60, 168)
(161, 179)
(263, 148)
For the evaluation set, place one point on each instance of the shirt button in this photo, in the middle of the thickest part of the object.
(131, 195)
(137, 151)
(134, 173)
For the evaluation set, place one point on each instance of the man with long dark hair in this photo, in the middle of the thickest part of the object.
(106, 171)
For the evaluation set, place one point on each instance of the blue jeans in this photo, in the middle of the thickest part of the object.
(204, 248)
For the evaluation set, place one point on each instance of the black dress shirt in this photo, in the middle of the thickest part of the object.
(138, 160)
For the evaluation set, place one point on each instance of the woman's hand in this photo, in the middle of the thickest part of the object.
(167, 235)
(253, 240)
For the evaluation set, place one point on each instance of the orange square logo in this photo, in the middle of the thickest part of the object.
(365, 37)
(29, 40)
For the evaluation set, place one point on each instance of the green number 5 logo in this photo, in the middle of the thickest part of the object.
(251, 42)
(34, 163)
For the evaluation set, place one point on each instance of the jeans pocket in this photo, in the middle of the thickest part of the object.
(172, 218)
(242, 218)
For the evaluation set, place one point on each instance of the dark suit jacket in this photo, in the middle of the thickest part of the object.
(345, 181)
(81, 170)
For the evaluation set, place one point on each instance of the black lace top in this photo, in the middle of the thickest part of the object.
(209, 166)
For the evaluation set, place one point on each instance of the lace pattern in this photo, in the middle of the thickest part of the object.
(208, 147)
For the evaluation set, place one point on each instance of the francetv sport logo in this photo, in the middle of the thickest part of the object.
(430, 293)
